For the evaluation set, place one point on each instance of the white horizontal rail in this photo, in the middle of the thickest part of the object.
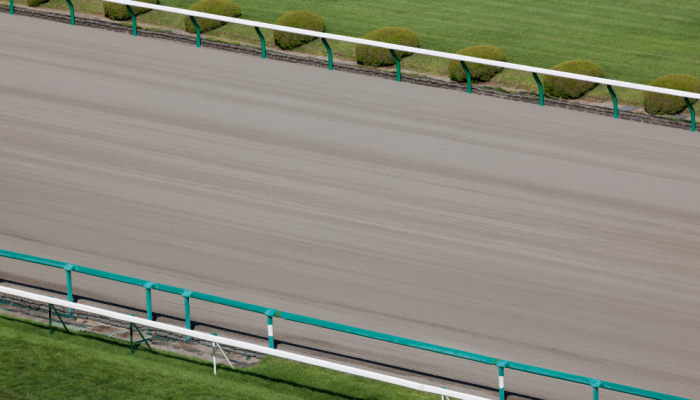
(243, 345)
(433, 53)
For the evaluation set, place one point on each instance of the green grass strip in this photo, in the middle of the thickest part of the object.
(35, 365)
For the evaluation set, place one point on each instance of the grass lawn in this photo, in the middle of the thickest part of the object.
(34, 365)
(632, 40)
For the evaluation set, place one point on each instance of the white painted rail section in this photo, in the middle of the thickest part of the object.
(243, 345)
(433, 53)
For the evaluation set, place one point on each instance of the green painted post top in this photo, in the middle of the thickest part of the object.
(595, 383)
(215, 334)
(149, 285)
(272, 313)
(70, 267)
(187, 294)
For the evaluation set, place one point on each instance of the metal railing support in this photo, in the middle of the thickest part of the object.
(12, 7)
(131, 336)
(133, 18)
(69, 286)
(612, 94)
(196, 28)
(692, 114)
(72, 12)
(270, 335)
(59, 317)
(539, 84)
(330, 54)
(213, 353)
(187, 294)
(469, 76)
(595, 384)
(398, 65)
(149, 307)
(501, 385)
(262, 42)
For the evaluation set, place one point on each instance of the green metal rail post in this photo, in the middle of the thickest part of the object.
(262, 42)
(469, 76)
(539, 84)
(59, 317)
(133, 18)
(330, 54)
(595, 384)
(692, 114)
(501, 385)
(196, 28)
(270, 334)
(398, 65)
(72, 12)
(12, 7)
(187, 294)
(149, 307)
(69, 286)
(612, 94)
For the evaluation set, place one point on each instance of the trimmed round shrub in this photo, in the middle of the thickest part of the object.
(36, 3)
(226, 8)
(301, 19)
(663, 104)
(377, 56)
(479, 72)
(118, 12)
(571, 88)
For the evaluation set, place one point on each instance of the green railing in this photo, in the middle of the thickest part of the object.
(272, 313)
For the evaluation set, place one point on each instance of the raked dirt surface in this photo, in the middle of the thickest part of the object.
(539, 235)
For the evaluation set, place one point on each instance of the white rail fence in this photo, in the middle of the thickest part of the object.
(416, 50)
(239, 344)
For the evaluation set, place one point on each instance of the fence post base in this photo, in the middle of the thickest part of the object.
(72, 12)
(469, 76)
(398, 65)
(539, 84)
(692, 114)
(612, 94)
(262, 42)
(330, 54)
(133, 18)
(196, 28)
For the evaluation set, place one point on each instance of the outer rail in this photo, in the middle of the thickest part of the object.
(270, 313)
(417, 50)
(244, 345)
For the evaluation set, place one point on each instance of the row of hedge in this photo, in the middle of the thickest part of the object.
(556, 87)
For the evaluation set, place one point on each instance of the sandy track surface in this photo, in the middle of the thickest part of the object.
(544, 236)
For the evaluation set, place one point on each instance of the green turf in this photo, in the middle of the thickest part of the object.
(34, 365)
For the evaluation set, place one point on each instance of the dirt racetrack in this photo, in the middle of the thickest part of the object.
(539, 235)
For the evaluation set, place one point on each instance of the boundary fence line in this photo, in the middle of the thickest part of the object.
(273, 313)
(610, 83)
(213, 338)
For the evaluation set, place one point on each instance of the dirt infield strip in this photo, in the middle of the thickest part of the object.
(540, 235)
